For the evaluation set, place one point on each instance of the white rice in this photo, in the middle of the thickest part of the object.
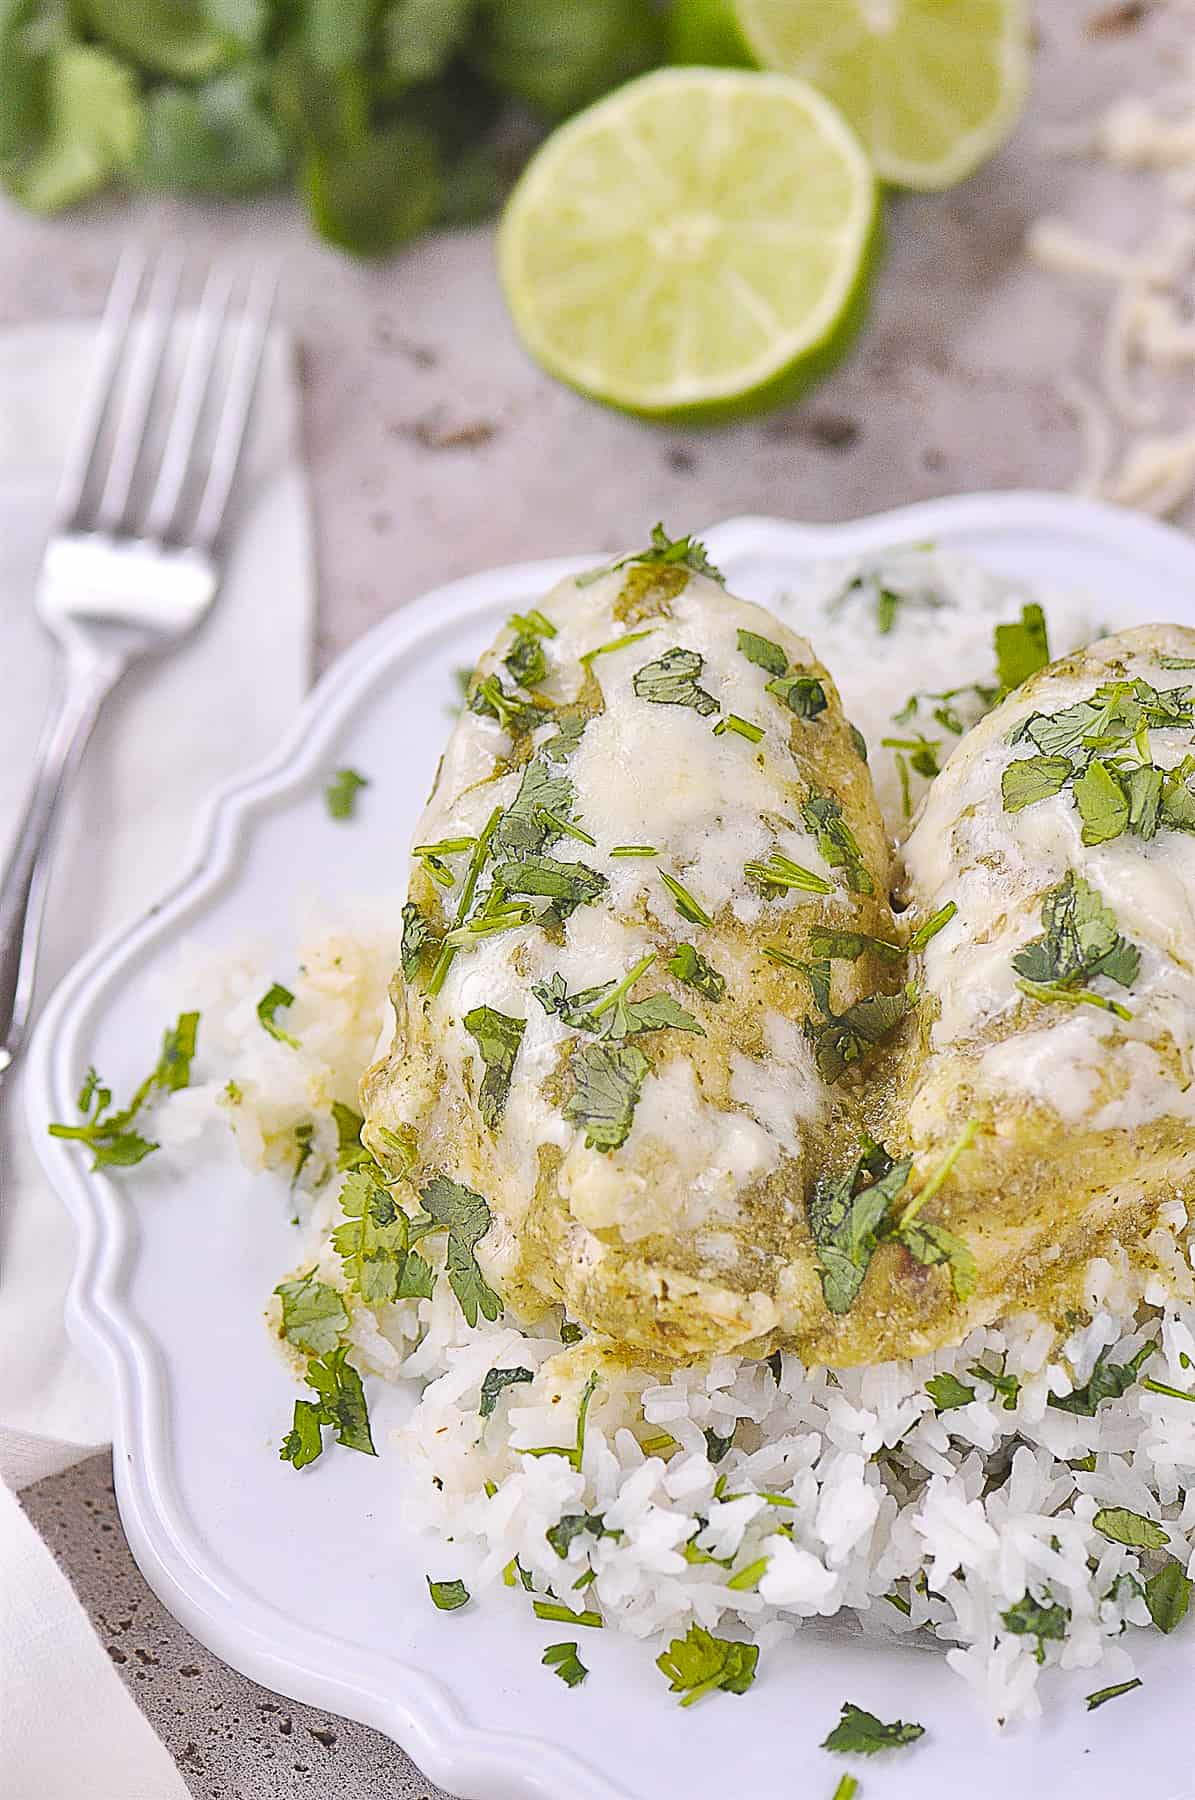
(842, 1488)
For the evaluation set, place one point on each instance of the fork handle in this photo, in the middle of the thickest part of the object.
(87, 677)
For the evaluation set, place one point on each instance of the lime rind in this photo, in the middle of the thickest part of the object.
(588, 235)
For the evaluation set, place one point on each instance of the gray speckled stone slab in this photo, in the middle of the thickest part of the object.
(435, 449)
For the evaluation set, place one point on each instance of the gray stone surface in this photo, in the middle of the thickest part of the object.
(435, 449)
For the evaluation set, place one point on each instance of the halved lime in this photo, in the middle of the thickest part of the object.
(932, 87)
(697, 245)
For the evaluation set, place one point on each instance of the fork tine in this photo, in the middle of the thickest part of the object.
(238, 399)
(110, 346)
(163, 515)
(145, 364)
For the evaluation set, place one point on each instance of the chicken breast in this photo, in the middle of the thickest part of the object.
(1055, 1036)
(617, 1018)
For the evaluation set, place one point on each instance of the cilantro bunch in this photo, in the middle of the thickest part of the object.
(386, 115)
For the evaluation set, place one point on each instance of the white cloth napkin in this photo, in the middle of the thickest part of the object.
(172, 731)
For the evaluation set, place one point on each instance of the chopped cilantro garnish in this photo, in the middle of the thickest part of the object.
(565, 827)
(340, 795)
(1108, 1381)
(276, 999)
(1022, 648)
(780, 873)
(533, 623)
(1102, 1695)
(762, 652)
(848, 1787)
(1168, 1595)
(340, 1404)
(618, 643)
(567, 884)
(496, 1381)
(803, 695)
(686, 552)
(931, 927)
(922, 753)
(1176, 662)
(417, 934)
(560, 1615)
(716, 1446)
(498, 1037)
(1102, 802)
(860, 1733)
(744, 728)
(635, 850)
(350, 1151)
(448, 1596)
(1080, 944)
(1173, 1393)
(688, 907)
(689, 966)
(700, 1663)
(525, 660)
(570, 1333)
(608, 1079)
(842, 1039)
(490, 699)
(563, 1660)
(304, 1148)
(933, 1246)
(477, 861)
(1133, 1529)
(313, 1314)
(947, 1392)
(574, 1525)
(1007, 1386)
(672, 681)
(849, 946)
(373, 1240)
(529, 820)
(562, 746)
(1043, 1620)
(822, 815)
(109, 1135)
(467, 1218)
(574, 1453)
(845, 1216)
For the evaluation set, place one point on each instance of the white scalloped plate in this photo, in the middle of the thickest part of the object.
(310, 1583)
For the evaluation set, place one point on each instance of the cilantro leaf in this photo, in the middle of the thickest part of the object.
(1044, 1620)
(1001, 1383)
(496, 1380)
(350, 1151)
(567, 884)
(1081, 943)
(273, 1001)
(313, 1314)
(804, 695)
(340, 795)
(1108, 1381)
(1023, 648)
(780, 873)
(689, 966)
(340, 1403)
(684, 552)
(1033, 778)
(672, 681)
(687, 905)
(716, 1446)
(849, 946)
(498, 1037)
(447, 1596)
(842, 1039)
(574, 1009)
(608, 1079)
(417, 934)
(1102, 802)
(947, 1391)
(571, 1526)
(929, 928)
(372, 1239)
(525, 660)
(1133, 1529)
(933, 1245)
(568, 736)
(490, 699)
(467, 1218)
(1167, 1595)
(762, 652)
(563, 1660)
(822, 815)
(860, 1733)
(108, 1134)
(658, 1012)
(845, 1216)
(522, 829)
(700, 1663)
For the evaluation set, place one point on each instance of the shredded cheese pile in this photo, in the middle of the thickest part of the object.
(1150, 323)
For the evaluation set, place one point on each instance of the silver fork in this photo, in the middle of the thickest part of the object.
(133, 560)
